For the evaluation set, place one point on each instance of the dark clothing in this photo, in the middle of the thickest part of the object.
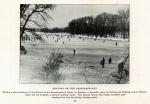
(103, 62)
(110, 60)
(74, 51)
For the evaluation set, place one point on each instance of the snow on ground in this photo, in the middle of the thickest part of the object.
(84, 67)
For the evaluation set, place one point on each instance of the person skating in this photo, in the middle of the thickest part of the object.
(109, 60)
(103, 62)
(116, 43)
(74, 51)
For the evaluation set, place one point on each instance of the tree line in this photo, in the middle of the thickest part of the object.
(103, 25)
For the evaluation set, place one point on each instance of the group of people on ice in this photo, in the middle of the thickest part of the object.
(102, 62)
(120, 64)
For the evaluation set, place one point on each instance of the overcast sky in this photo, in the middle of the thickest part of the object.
(63, 14)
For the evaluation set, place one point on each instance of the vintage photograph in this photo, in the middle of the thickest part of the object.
(74, 44)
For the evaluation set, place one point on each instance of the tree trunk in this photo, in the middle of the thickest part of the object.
(23, 28)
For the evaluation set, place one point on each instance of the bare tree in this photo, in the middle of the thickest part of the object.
(124, 21)
(33, 15)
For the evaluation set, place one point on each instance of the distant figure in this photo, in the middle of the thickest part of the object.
(63, 42)
(103, 62)
(109, 60)
(74, 51)
(83, 39)
(116, 43)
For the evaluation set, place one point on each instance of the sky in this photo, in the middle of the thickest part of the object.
(63, 14)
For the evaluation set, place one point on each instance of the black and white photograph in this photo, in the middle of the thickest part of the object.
(74, 44)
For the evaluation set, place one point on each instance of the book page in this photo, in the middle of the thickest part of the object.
(79, 52)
